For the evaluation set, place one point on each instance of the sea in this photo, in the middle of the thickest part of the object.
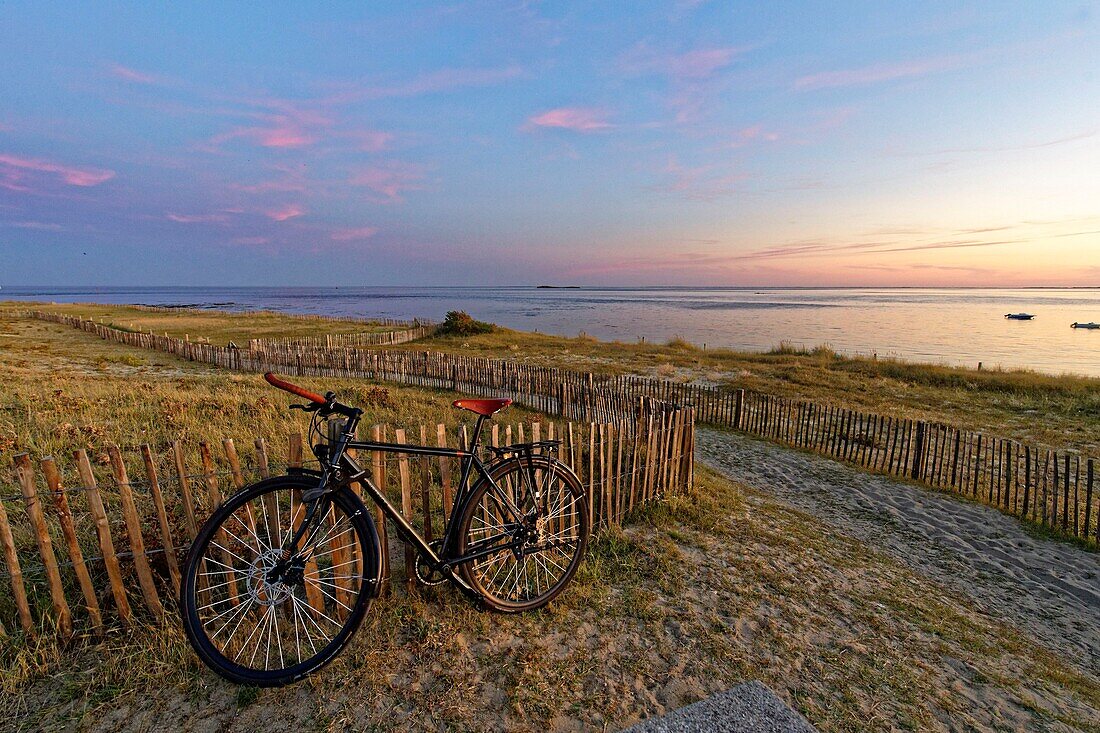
(955, 326)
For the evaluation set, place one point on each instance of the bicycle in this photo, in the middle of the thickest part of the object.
(282, 573)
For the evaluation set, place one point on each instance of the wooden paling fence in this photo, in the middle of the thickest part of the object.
(100, 538)
(399, 323)
(1052, 487)
(411, 332)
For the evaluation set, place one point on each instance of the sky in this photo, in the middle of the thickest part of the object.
(521, 143)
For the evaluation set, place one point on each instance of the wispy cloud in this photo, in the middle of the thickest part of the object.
(693, 76)
(389, 180)
(751, 134)
(282, 213)
(1048, 143)
(132, 75)
(371, 141)
(430, 82)
(442, 80)
(250, 240)
(351, 235)
(14, 170)
(196, 218)
(37, 225)
(281, 132)
(877, 73)
(577, 119)
(695, 65)
(705, 182)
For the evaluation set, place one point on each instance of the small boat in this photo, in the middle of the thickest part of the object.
(1089, 326)
(1019, 316)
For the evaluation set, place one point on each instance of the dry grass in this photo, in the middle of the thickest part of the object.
(219, 327)
(1062, 412)
(693, 597)
(66, 388)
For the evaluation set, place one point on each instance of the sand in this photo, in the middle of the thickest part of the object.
(1049, 588)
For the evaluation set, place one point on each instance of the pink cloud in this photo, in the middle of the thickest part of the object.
(282, 124)
(350, 235)
(389, 180)
(694, 65)
(701, 182)
(577, 119)
(372, 141)
(269, 186)
(13, 169)
(442, 80)
(880, 72)
(754, 133)
(195, 218)
(128, 74)
(250, 240)
(285, 212)
(283, 133)
(38, 225)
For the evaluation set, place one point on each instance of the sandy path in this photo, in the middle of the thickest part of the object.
(1051, 589)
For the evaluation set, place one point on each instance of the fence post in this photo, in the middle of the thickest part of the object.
(918, 450)
(45, 545)
(133, 530)
(1088, 501)
(72, 542)
(406, 507)
(15, 573)
(738, 408)
(103, 533)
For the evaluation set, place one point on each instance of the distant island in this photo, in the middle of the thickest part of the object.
(558, 287)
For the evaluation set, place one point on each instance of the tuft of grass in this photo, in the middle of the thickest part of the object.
(680, 344)
(789, 348)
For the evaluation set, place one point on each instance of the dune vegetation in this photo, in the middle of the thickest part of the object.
(1058, 411)
(690, 597)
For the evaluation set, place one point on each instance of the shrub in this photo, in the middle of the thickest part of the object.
(681, 344)
(460, 323)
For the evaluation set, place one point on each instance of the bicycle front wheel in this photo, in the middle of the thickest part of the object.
(257, 628)
(529, 528)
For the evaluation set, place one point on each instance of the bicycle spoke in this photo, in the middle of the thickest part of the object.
(264, 622)
(537, 553)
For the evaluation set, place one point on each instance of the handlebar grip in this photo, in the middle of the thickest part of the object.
(294, 389)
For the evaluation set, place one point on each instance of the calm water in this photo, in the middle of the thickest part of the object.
(952, 326)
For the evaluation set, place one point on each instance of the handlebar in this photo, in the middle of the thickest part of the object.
(294, 389)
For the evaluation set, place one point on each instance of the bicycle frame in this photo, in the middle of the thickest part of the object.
(338, 465)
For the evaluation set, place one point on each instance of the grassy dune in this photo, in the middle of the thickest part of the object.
(1056, 411)
(63, 387)
(692, 597)
(219, 327)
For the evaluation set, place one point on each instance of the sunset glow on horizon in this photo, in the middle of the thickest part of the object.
(682, 143)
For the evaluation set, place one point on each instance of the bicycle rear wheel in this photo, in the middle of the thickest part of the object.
(255, 629)
(532, 546)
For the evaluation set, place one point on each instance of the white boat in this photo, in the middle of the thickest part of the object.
(1019, 316)
(1089, 326)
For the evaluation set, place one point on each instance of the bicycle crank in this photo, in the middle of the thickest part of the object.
(424, 573)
